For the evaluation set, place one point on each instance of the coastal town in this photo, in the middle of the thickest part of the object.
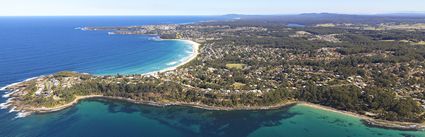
(242, 64)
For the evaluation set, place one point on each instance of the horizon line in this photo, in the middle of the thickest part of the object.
(88, 15)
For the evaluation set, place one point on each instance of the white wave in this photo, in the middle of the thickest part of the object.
(185, 58)
(7, 95)
(4, 88)
(189, 51)
(22, 114)
(6, 104)
(172, 63)
(13, 84)
(19, 114)
(13, 109)
(155, 38)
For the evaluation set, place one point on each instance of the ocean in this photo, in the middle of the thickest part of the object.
(33, 46)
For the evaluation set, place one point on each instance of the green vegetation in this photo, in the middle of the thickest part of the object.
(382, 102)
(238, 85)
(419, 43)
(66, 74)
(248, 63)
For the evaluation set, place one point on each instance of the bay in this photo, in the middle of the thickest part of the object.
(33, 46)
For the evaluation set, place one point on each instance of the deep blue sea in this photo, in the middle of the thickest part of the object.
(33, 46)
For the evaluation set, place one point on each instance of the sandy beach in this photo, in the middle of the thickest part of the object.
(315, 106)
(195, 52)
(369, 120)
(67, 105)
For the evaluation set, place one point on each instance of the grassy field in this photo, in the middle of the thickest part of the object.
(420, 43)
(326, 25)
(235, 66)
(238, 85)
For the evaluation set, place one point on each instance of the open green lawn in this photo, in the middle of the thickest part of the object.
(235, 66)
(238, 85)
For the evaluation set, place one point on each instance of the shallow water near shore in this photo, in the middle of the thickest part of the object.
(101, 117)
(33, 46)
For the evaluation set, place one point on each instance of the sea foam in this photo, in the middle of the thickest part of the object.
(172, 63)
(7, 94)
(19, 114)
(6, 104)
(13, 109)
(22, 114)
(13, 84)
(155, 39)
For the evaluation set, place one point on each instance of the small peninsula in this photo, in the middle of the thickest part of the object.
(351, 67)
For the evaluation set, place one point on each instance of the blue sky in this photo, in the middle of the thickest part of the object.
(203, 7)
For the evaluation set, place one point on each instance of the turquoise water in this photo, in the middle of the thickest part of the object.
(33, 46)
(99, 117)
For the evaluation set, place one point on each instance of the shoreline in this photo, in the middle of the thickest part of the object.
(369, 121)
(321, 107)
(16, 83)
(195, 52)
(64, 106)
(8, 93)
(366, 120)
(157, 104)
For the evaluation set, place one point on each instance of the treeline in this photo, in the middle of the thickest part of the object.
(382, 102)
(361, 49)
(155, 90)
(319, 18)
(353, 41)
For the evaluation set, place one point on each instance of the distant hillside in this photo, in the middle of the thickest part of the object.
(317, 18)
(419, 14)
